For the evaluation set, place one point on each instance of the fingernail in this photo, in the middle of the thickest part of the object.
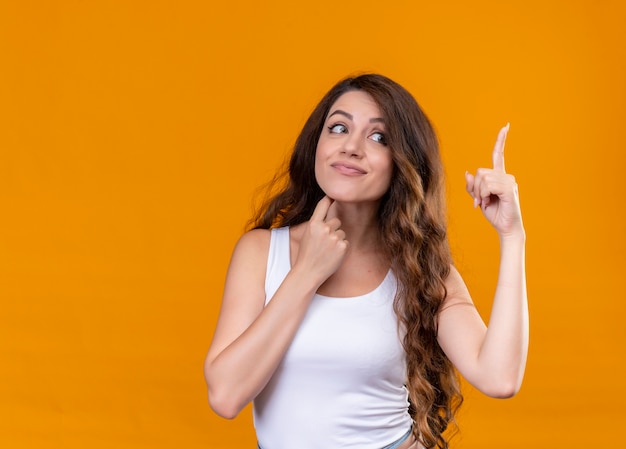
(475, 203)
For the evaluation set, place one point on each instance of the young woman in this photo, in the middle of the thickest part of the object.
(343, 317)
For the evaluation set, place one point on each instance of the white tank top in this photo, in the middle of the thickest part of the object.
(341, 382)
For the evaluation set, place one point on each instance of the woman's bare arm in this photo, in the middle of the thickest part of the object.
(492, 358)
(250, 339)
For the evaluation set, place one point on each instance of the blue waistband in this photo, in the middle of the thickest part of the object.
(397, 443)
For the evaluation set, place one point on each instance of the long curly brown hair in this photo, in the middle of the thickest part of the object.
(412, 225)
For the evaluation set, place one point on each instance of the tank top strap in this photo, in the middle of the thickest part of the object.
(278, 261)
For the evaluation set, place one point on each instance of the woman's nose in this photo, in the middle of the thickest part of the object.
(353, 146)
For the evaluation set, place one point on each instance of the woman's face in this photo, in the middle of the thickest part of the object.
(352, 161)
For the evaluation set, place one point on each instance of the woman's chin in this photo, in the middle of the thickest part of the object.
(342, 196)
(351, 199)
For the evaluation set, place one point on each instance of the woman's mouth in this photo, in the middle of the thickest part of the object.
(346, 168)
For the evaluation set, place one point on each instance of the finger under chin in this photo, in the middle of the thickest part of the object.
(332, 211)
(321, 209)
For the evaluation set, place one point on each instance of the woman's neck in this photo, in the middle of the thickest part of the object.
(360, 223)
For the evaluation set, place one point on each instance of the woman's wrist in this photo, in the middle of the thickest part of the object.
(514, 237)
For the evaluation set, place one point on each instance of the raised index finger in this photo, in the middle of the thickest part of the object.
(498, 149)
(321, 209)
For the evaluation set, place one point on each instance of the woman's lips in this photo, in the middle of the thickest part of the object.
(348, 169)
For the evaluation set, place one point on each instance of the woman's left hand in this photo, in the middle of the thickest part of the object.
(495, 191)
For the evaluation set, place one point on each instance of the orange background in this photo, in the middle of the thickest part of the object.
(133, 135)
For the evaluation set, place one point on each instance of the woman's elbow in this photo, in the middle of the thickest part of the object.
(221, 400)
(503, 389)
(223, 405)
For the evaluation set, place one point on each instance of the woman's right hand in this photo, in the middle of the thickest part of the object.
(323, 244)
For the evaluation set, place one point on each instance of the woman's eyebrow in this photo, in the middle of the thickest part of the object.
(351, 117)
(339, 111)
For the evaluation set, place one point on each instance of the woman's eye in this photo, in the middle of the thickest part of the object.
(379, 137)
(337, 129)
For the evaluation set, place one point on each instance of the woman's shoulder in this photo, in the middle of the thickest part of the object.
(255, 240)
(249, 257)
